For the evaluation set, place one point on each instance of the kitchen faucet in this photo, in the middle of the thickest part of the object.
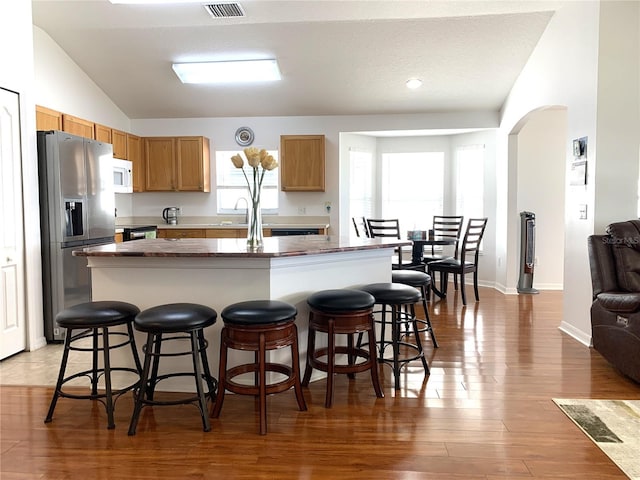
(246, 213)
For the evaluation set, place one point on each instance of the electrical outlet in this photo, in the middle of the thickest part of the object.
(302, 210)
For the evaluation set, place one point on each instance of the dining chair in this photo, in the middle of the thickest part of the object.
(445, 227)
(459, 266)
(360, 226)
(391, 228)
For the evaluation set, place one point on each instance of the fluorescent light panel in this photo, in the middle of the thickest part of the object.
(149, 2)
(228, 72)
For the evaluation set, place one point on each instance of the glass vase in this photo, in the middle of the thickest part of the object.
(254, 227)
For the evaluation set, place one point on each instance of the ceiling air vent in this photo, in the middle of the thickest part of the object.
(225, 10)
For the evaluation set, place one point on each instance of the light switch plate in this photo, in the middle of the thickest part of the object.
(583, 211)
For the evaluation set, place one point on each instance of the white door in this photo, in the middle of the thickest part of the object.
(12, 295)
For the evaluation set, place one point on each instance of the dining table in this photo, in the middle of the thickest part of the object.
(419, 242)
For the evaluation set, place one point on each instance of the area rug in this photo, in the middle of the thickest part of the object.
(613, 425)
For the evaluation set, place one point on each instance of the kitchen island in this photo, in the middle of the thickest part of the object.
(218, 272)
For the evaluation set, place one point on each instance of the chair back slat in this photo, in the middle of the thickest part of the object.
(472, 238)
(447, 227)
(360, 226)
(384, 227)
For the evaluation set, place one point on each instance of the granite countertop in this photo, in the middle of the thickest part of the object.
(236, 247)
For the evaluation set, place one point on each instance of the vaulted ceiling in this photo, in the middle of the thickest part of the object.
(336, 57)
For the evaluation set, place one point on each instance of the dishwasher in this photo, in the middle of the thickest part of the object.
(284, 232)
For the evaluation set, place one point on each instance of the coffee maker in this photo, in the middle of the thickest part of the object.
(170, 215)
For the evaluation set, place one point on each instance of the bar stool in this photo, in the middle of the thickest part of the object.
(94, 320)
(341, 312)
(259, 326)
(400, 301)
(178, 321)
(421, 281)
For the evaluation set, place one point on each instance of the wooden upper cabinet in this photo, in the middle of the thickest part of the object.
(47, 119)
(77, 126)
(134, 153)
(119, 141)
(177, 164)
(102, 133)
(302, 163)
(159, 159)
(192, 164)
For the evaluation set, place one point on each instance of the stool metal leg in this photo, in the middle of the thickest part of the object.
(198, 376)
(427, 320)
(94, 374)
(396, 315)
(211, 382)
(107, 379)
(143, 384)
(412, 311)
(222, 375)
(63, 367)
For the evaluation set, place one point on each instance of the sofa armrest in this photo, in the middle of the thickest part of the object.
(619, 302)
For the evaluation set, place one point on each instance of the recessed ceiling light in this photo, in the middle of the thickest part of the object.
(228, 72)
(414, 83)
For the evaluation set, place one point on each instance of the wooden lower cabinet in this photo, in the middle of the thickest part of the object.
(181, 233)
(206, 232)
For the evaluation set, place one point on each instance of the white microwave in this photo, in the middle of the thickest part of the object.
(122, 176)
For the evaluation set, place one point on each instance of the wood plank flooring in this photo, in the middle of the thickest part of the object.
(484, 413)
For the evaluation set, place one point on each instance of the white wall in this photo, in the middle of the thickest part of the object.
(61, 85)
(563, 71)
(16, 74)
(541, 190)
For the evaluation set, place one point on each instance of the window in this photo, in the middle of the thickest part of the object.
(470, 181)
(412, 188)
(360, 184)
(231, 185)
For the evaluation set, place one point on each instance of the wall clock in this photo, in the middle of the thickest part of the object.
(244, 136)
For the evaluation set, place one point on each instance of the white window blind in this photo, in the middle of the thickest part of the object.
(231, 185)
(470, 181)
(412, 188)
(360, 184)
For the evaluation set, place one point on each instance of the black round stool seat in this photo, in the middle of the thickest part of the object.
(88, 329)
(175, 322)
(413, 278)
(393, 293)
(258, 312)
(341, 300)
(97, 314)
(175, 317)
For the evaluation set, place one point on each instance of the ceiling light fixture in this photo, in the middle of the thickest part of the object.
(414, 83)
(149, 2)
(228, 72)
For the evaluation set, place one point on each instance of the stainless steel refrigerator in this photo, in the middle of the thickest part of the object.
(77, 209)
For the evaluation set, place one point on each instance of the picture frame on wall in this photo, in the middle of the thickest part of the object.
(578, 173)
(577, 151)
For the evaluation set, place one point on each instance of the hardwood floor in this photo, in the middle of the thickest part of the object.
(485, 412)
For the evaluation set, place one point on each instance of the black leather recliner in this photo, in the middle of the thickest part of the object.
(615, 312)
